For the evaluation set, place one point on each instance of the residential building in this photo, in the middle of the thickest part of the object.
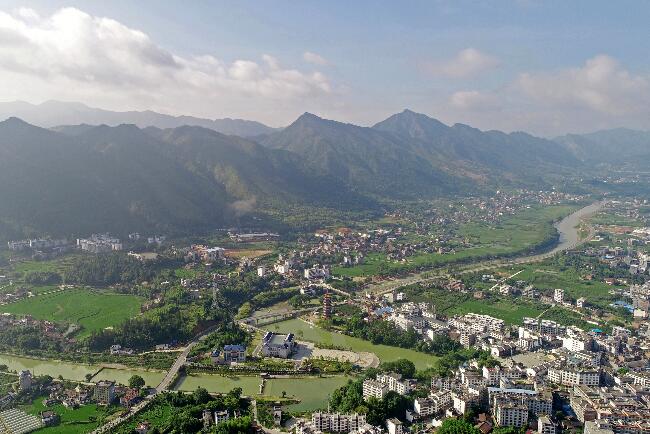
(545, 425)
(234, 353)
(394, 426)
(374, 388)
(104, 392)
(337, 422)
(510, 414)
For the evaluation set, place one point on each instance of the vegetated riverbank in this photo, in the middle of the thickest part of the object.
(78, 371)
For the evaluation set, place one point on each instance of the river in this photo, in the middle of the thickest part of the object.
(78, 371)
(568, 227)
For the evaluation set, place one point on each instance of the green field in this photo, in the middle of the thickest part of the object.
(311, 391)
(81, 420)
(92, 310)
(510, 310)
(544, 276)
(514, 234)
(307, 332)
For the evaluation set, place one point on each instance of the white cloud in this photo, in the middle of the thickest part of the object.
(601, 84)
(314, 58)
(467, 63)
(599, 94)
(72, 55)
(473, 100)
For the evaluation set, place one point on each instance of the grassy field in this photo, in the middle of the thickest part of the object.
(544, 276)
(311, 391)
(510, 310)
(81, 420)
(92, 310)
(307, 332)
(516, 233)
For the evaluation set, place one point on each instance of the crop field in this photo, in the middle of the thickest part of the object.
(92, 310)
(516, 233)
(307, 332)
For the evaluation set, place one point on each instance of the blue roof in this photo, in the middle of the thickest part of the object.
(236, 347)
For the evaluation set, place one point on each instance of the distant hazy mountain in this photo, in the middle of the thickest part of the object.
(54, 113)
(617, 146)
(124, 178)
(492, 154)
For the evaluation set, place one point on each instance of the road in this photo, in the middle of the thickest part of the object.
(164, 385)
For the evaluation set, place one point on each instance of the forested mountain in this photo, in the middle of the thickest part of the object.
(124, 179)
(84, 178)
(366, 159)
(482, 155)
(410, 154)
(54, 113)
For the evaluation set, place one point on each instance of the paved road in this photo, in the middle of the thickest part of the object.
(163, 386)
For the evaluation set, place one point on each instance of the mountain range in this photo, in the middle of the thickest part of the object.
(54, 113)
(82, 178)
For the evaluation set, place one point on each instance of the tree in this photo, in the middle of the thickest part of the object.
(457, 426)
(201, 395)
(136, 382)
(401, 366)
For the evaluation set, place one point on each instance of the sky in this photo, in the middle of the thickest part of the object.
(546, 67)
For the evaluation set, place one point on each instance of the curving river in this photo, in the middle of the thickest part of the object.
(568, 227)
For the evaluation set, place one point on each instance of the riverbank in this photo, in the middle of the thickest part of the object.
(78, 371)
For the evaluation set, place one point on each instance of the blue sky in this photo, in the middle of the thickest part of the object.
(548, 67)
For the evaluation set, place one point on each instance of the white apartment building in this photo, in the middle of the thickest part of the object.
(336, 422)
(374, 388)
(510, 414)
(394, 426)
(394, 383)
(558, 295)
(578, 343)
(574, 376)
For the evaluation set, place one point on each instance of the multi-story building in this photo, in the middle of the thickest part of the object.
(574, 376)
(558, 295)
(336, 422)
(277, 345)
(374, 388)
(234, 353)
(545, 425)
(394, 426)
(394, 383)
(25, 380)
(104, 392)
(508, 413)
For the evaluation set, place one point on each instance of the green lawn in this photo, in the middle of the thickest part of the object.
(81, 420)
(92, 310)
(307, 332)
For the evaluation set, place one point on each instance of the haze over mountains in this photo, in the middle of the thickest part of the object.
(77, 179)
(54, 113)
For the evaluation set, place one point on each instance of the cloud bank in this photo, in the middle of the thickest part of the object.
(72, 55)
